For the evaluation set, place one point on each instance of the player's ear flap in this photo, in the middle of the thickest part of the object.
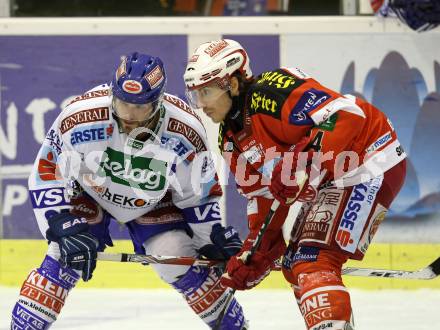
(235, 86)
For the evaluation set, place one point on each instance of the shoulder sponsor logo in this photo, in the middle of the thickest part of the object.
(380, 142)
(264, 104)
(215, 47)
(277, 79)
(132, 86)
(91, 95)
(154, 77)
(311, 99)
(137, 172)
(181, 105)
(85, 116)
(188, 132)
(92, 133)
(51, 197)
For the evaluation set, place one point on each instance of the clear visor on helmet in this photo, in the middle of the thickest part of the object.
(205, 95)
(130, 112)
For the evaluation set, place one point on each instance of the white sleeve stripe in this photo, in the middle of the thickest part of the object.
(346, 103)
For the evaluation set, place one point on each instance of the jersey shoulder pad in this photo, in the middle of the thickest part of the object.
(180, 105)
(86, 121)
(268, 94)
(297, 72)
(100, 91)
(185, 127)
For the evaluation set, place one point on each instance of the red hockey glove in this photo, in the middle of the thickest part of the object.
(242, 277)
(290, 182)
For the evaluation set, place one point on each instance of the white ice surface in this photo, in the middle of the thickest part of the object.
(91, 309)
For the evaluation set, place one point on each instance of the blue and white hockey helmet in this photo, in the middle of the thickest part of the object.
(140, 79)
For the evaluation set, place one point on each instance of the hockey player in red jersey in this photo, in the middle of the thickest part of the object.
(281, 123)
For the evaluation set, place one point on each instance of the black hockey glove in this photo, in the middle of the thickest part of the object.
(77, 246)
(226, 243)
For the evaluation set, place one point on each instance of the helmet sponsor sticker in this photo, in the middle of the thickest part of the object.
(155, 77)
(194, 58)
(215, 47)
(132, 86)
(122, 69)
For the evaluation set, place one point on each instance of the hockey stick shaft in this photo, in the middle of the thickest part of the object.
(430, 272)
(427, 273)
(255, 246)
(156, 259)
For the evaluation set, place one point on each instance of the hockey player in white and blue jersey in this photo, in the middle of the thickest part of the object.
(131, 153)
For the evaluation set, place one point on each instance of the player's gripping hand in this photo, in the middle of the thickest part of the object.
(226, 243)
(77, 246)
(242, 275)
(290, 181)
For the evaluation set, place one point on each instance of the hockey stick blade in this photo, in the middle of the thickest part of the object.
(427, 273)
(156, 259)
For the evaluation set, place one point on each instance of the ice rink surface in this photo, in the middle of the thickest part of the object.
(91, 309)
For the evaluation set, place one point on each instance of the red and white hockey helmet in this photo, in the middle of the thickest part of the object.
(216, 61)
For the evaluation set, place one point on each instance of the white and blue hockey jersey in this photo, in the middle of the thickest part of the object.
(168, 181)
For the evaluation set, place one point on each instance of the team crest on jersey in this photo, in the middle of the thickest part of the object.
(132, 86)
